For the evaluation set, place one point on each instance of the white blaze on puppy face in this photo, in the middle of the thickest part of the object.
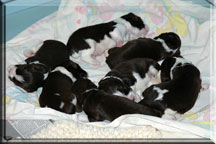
(64, 71)
(179, 60)
(167, 49)
(12, 74)
(160, 93)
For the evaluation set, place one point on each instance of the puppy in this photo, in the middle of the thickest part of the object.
(92, 41)
(162, 46)
(179, 90)
(99, 105)
(130, 78)
(31, 74)
(57, 91)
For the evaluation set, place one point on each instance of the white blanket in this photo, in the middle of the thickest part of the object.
(192, 22)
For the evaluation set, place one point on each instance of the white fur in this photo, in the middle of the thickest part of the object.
(62, 105)
(19, 78)
(178, 60)
(160, 62)
(118, 93)
(74, 101)
(90, 90)
(46, 75)
(142, 83)
(160, 93)
(122, 33)
(65, 71)
(167, 49)
(35, 62)
(12, 73)
(107, 77)
(170, 114)
(57, 94)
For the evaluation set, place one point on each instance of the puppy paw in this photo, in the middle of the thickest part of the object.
(96, 63)
(28, 53)
(119, 43)
(205, 87)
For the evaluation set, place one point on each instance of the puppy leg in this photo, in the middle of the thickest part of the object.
(87, 57)
(75, 69)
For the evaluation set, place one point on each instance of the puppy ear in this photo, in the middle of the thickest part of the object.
(40, 68)
(165, 68)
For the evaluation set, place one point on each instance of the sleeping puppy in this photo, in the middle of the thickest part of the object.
(130, 78)
(99, 105)
(179, 90)
(57, 91)
(31, 74)
(92, 41)
(162, 46)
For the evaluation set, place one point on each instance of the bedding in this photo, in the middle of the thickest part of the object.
(192, 22)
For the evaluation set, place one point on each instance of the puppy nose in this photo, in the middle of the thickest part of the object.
(11, 70)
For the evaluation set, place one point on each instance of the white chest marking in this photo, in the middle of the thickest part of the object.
(64, 71)
(62, 105)
(160, 93)
(74, 101)
(19, 78)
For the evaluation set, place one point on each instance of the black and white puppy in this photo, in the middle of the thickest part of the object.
(100, 106)
(130, 78)
(57, 91)
(92, 41)
(179, 90)
(31, 74)
(162, 46)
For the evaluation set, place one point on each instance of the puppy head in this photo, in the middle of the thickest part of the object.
(166, 66)
(185, 69)
(169, 64)
(115, 85)
(137, 25)
(28, 76)
(172, 40)
(80, 86)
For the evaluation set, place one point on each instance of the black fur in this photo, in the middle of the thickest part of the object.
(77, 42)
(99, 106)
(183, 89)
(144, 48)
(97, 32)
(50, 55)
(124, 71)
(134, 20)
(57, 89)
